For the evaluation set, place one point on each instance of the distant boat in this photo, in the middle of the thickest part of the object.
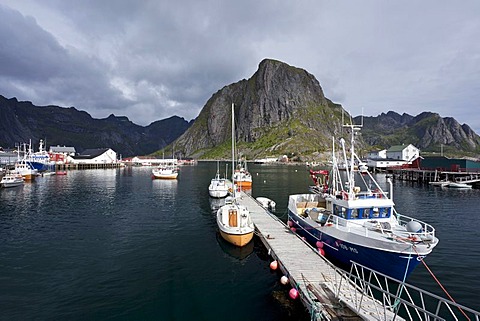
(165, 172)
(458, 185)
(241, 176)
(439, 183)
(26, 169)
(218, 187)
(349, 223)
(233, 219)
(11, 180)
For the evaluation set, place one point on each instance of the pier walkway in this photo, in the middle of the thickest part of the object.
(312, 275)
(330, 293)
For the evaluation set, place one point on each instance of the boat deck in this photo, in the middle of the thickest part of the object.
(323, 288)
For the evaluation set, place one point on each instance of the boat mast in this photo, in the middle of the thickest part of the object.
(233, 148)
(354, 129)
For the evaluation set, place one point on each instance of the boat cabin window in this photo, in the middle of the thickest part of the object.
(340, 211)
(380, 212)
(362, 213)
(359, 213)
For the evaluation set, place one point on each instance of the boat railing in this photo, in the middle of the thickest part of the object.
(405, 301)
(426, 232)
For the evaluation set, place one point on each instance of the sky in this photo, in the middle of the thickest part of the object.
(152, 59)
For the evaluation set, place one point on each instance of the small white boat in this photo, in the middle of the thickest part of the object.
(12, 180)
(458, 185)
(219, 187)
(440, 183)
(267, 203)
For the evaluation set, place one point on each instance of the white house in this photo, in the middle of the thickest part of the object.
(94, 156)
(394, 156)
(377, 154)
(407, 153)
(385, 162)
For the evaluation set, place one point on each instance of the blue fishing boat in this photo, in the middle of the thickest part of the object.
(349, 217)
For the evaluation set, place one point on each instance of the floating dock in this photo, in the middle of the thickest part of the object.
(330, 293)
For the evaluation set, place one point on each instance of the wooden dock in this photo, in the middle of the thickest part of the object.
(426, 176)
(324, 289)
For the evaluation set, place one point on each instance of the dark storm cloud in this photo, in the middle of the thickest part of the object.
(152, 59)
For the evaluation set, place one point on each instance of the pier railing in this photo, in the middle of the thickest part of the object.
(405, 301)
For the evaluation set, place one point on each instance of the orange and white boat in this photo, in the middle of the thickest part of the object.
(241, 176)
(235, 224)
(234, 220)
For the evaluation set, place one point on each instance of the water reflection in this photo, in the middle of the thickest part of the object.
(235, 252)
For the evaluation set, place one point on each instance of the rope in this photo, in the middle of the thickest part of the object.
(441, 286)
(397, 301)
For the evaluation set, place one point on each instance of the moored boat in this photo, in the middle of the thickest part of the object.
(233, 220)
(439, 183)
(167, 171)
(219, 187)
(458, 185)
(349, 224)
(235, 224)
(11, 180)
(25, 168)
(241, 176)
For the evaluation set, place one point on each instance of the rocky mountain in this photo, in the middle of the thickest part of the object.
(427, 131)
(21, 121)
(279, 110)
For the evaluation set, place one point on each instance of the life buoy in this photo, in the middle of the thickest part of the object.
(345, 195)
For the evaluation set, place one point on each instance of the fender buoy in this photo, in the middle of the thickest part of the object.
(274, 265)
(293, 293)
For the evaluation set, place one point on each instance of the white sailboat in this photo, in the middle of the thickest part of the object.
(218, 187)
(233, 220)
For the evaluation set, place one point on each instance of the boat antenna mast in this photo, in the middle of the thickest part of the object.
(354, 130)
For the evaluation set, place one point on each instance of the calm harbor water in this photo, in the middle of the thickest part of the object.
(114, 244)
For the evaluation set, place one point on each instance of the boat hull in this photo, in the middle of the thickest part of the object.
(165, 176)
(243, 184)
(237, 239)
(342, 251)
(218, 193)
